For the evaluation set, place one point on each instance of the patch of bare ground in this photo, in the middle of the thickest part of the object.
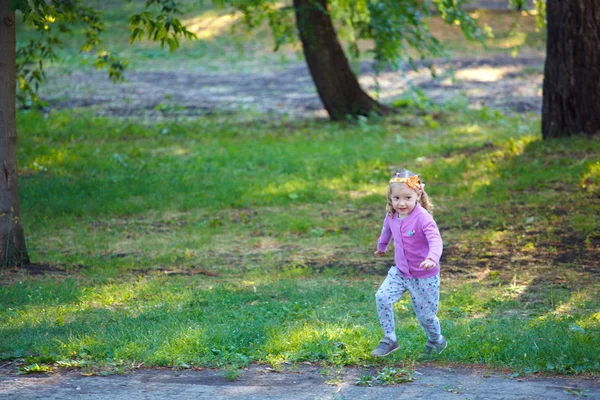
(469, 261)
(176, 271)
(291, 382)
(8, 275)
(567, 261)
(500, 81)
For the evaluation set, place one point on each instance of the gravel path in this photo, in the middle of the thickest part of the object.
(305, 382)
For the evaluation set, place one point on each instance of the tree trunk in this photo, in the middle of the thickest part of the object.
(12, 238)
(336, 84)
(571, 103)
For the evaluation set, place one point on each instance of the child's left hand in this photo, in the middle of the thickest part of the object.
(427, 264)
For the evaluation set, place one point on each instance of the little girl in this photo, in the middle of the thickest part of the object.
(417, 251)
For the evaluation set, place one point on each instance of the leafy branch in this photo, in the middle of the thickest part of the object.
(163, 28)
(56, 18)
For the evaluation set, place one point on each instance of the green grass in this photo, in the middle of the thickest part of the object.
(232, 239)
(223, 241)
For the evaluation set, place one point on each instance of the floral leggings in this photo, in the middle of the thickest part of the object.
(425, 294)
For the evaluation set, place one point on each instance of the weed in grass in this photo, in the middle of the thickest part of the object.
(232, 374)
(364, 380)
(579, 392)
(35, 368)
(393, 376)
(453, 389)
(331, 375)
(71, 363)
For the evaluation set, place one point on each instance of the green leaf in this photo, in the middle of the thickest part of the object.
(135, 19)
(172, 44)
(136, 33)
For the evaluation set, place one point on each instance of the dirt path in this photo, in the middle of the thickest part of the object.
(500, 82)
(305, 382)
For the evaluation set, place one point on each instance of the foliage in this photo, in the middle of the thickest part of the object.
(364, 380)
(386, 376)
(34, 368)
(164, 28)
(539, 8)
(55, 20)
(280, 18)
(395, 27)
(52, 20)
(400, 31)
(393, 376)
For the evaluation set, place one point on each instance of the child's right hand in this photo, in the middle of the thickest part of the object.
(379, 253)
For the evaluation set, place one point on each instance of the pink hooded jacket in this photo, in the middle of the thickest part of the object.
(416, 238)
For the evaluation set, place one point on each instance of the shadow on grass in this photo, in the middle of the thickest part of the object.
(216, 326)
(514, 210)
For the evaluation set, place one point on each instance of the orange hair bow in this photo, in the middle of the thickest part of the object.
(412, 182)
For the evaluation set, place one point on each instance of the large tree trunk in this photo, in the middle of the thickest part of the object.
(12, 238)
(571, 103)
(336, 84)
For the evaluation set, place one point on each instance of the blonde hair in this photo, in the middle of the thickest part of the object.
(425, 201)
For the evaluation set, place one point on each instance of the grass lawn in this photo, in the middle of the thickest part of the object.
(232, 239)
(218, 242)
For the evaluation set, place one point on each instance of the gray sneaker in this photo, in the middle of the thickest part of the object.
(432, 348)
(386, 346)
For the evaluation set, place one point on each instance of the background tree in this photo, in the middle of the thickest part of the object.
(336, 84)
(399, 30)
(25, 66)
(571, 89)
(13, 250)
(571, 102)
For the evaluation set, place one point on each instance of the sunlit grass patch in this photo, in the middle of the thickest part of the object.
(247, 243)
(176, 322)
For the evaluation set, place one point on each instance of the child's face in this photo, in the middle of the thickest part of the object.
(404, 199)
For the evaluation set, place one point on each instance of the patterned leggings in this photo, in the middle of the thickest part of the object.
(425, 294)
